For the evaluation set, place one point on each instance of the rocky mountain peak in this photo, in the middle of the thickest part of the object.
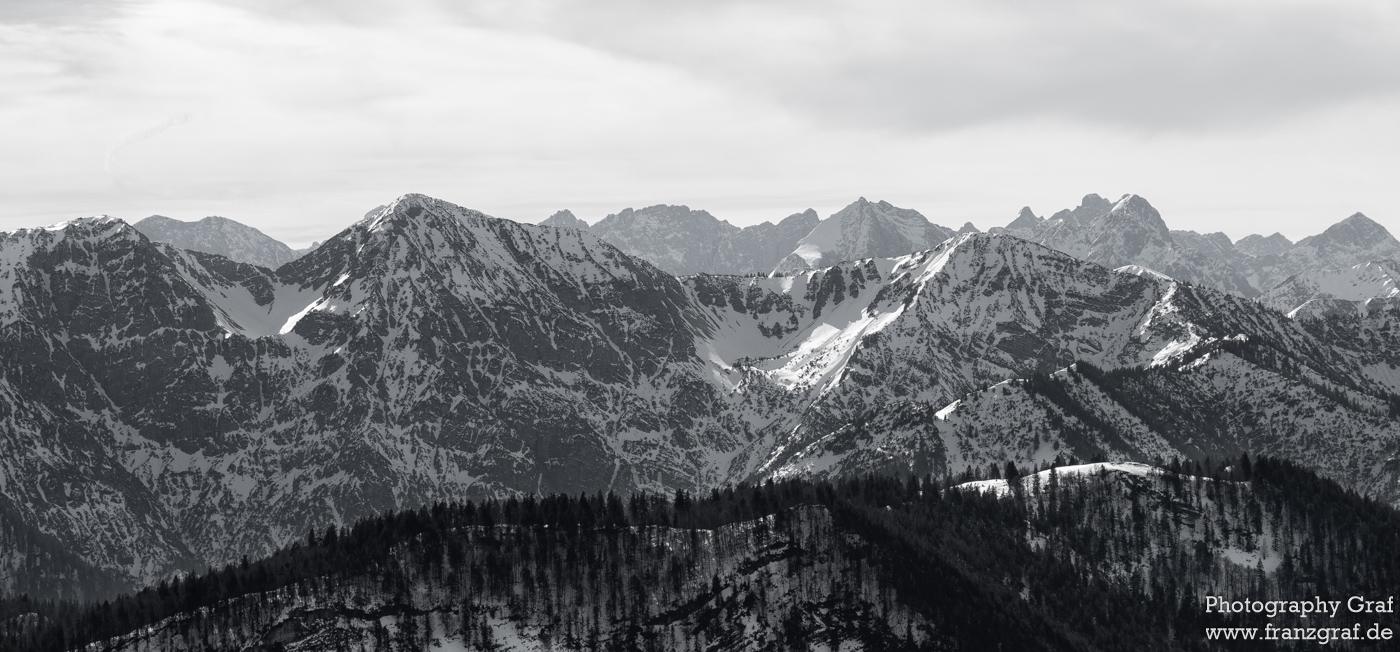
(1134, 209)
(660, 214)
(94, 226)
(677, 239)
(1355, 231)
(565, 219)
(411, 212)
(1026, 219)
(1258, 245)
(219, 235)
(1093, 203)
(864, 230)
(1090, 208)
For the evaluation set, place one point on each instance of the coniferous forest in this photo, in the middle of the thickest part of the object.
(1087, 557)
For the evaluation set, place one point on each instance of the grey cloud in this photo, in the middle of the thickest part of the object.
(934, 67)
(1169, 71)
(55, 12)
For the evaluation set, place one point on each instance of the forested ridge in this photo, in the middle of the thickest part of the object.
(1072, 558)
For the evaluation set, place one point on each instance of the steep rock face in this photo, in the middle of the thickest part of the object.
(39, 565)
(219, 235)
(674, 238)
(1025, 220)
(99, 335)
(756, 249)
(864, 230)
(207, 409)
(432, 351)
(870, 349)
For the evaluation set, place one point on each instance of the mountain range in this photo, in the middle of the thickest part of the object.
(1132, 232)
(681, 241)
(169, 409)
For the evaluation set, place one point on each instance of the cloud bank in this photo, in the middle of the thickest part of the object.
(296, 117)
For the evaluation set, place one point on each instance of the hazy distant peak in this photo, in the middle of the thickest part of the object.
(968, 227)
(808, 217)
(1258, 245)
(662, 213)
(1355, 232)
(219, 235)
(160, 220)
(864, 230)
(565, 219)
(1026, 219)
(1090, 208)
(1135, 209)
(1093, 201)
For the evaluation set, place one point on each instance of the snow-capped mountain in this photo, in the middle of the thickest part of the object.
(683, 241)
(210, 409)
(219, 235)
(863, 230)
(1319, 293)
(982, 309)
(1355, 240)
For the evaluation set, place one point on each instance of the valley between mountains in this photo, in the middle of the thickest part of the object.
(168, 409)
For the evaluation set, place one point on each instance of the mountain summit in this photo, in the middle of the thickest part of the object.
(864, 229)
(1131, 232)
(565, 219)
(219, 235)
(682, 241)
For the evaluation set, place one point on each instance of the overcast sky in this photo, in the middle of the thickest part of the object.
(1275, 115)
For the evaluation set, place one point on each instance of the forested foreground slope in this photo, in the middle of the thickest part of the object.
(1084, 557)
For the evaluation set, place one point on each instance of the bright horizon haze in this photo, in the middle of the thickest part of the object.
(1243, 117)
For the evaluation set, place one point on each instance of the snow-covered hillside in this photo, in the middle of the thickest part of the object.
(1322, 292)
